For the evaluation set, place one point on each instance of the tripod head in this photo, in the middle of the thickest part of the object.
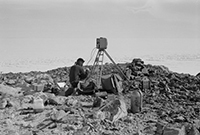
(101, 43)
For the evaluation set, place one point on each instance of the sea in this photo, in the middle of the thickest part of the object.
(181, 59)
(185, 63)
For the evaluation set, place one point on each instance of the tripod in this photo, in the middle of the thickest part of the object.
(98, 63)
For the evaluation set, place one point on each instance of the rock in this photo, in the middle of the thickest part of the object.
(71, 102)
(128, 73)
(97, 102)
(138, 133)
(43, 78)
(86, 104)
(56, 131)
(180, 119)
(27, 99)
(3, 103)
(11, 82)
(197, 123)
(101, 94)
(137, 61)
(50, 102)
(40, 82)
(198, 75)
(193, 131)
(174, 99)
(145, 71)
(174, 131)
(100, 115)
(114, 110)
(28, 79)
(33, 101)
(16, 92)
(60, 100)
(57, 115)
(165, 69)
(159, 129)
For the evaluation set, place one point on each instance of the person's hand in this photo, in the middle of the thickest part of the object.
(87, 70)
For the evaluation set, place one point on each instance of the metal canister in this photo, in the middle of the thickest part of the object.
(136, 101)
(145, 83)
(38, 103)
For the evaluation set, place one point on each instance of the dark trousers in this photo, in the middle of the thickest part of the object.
(74, 84)
(71, 90)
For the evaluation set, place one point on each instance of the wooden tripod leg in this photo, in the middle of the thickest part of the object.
(116, 65)
(98, 63)
(95, 62)
(101, 55)
(94, 65)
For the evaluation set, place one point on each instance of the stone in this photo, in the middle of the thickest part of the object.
(86, 104)
(165, 69)
(57, 115)
(159, 129)
(71, 102)
(115, 110)
(16, 92)
(101, 94)
(3, 103)
(175, 106)
(122, 111)
(174, 131)
(27, 99)
(97, 102)
(193, 131)
(145, 71)
(128, 73)
(11, 82)
(100, 115)
(180, 119)
(28, 79)
(45, 78)
(197, 123)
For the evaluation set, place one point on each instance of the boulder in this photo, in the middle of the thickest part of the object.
(28, 79)
(16, 92)
(197, 123)
(174, 131)
(113, 111)
(43, 78)
(198, 75)
(11, 82)
(193, 131)
(57, 115)
(164, 69)
(3, 103)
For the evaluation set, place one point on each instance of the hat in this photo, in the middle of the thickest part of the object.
(80, 59)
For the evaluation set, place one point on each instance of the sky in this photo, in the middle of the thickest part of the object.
(46, 34)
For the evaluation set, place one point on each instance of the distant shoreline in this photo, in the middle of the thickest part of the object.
(38, 68)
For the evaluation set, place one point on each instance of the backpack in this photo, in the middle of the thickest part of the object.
(112, 83)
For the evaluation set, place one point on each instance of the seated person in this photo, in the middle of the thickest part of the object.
(77, 73)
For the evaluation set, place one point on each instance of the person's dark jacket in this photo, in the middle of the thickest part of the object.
(76, 74)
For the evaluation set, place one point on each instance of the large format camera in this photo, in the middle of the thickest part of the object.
(102, 43)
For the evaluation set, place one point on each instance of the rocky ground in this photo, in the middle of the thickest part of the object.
(33, 104)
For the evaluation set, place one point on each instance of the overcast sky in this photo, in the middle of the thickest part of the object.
(63, 30)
